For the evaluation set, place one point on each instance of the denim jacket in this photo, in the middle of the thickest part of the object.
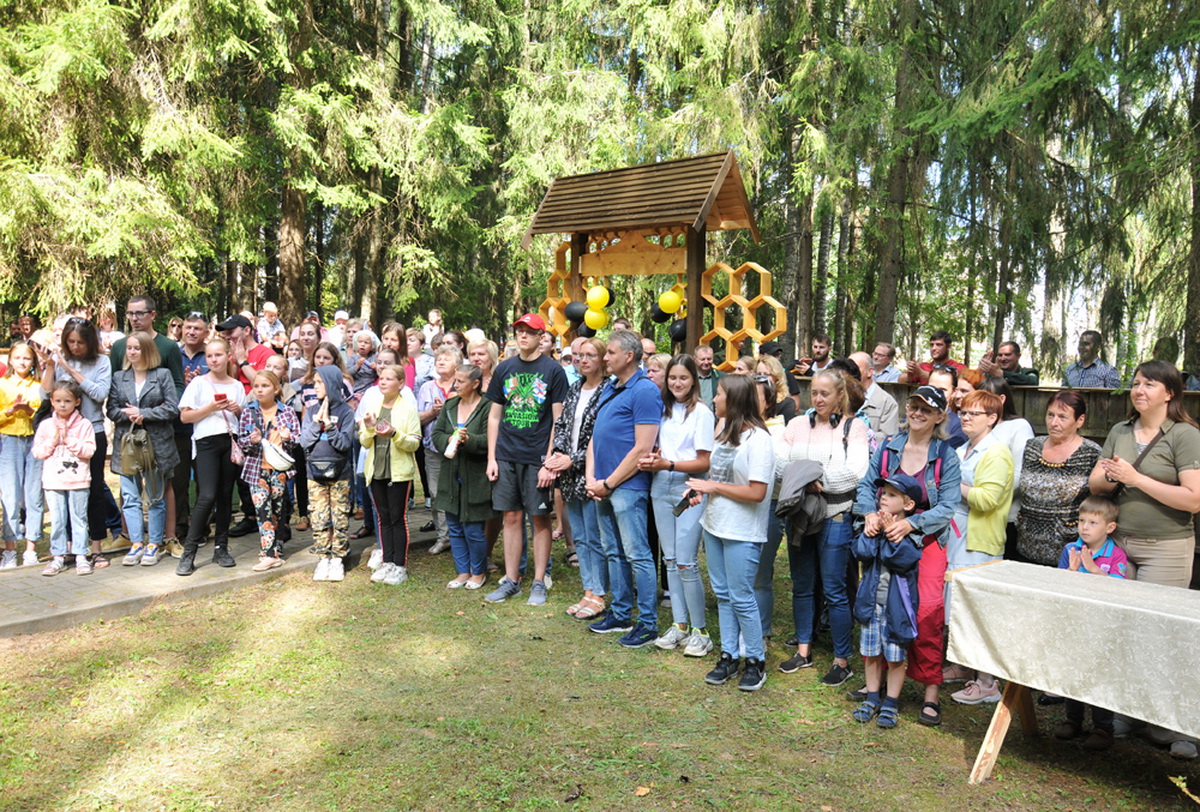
(943, 496)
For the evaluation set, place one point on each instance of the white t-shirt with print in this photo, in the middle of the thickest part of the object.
(752, 460)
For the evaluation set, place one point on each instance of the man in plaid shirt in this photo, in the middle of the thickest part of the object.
(1090, 372)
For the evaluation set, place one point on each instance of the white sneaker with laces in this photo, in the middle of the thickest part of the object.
(380, 575)
(672, 639)
(698, 645)
(29, 558)
(321, 573)
(376, 559)
(8, 561)
(336, 570)
(396, 575)
(439, 547)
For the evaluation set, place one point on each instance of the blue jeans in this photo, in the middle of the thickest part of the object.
(731, 569)
(679, 539)
(585, 530)
(468, 545)
(131, 505)
(832, 550)
(764, 579)
(20, 486)
(627, 549)
(68, 507)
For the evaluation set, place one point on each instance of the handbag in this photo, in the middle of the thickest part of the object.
(137, 454)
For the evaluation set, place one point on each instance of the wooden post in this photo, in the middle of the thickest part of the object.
(574, 288)
(695, 303)
(1016, 697)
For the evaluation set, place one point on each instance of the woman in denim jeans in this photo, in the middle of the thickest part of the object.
(685, 443)
(572, 433)
(844, 452)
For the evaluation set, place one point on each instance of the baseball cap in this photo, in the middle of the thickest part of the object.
(531, 320)
(341, 314)
(932, 395)
(902, 482)
(269, 307)
(232, 323)
(312, 316)
(770, 348)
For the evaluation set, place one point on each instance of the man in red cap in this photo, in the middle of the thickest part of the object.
(526, 394)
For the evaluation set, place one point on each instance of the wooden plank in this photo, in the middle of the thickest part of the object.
(713, 159)
(1029, 724)
(529, 232)
(639, 222)
(662, 196)
(702, 215)
(642, 177)
(633, 202)
(695, 244)
(989, 750)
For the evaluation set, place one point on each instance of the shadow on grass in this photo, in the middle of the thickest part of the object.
(296, 695)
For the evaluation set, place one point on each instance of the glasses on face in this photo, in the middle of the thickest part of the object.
(972, 413)
(136, 314)
(195, 315)
(917, 408)
(762, 378)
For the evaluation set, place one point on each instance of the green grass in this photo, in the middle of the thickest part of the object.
(297, 695)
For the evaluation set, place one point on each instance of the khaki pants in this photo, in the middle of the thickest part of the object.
(1161, 561)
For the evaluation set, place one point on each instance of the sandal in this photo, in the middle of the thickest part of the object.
(302, 524)
(865, 712)
(573, 559)
(575, 607)
(590, 607)
(99, 562)
(888, 717)
(934, 716)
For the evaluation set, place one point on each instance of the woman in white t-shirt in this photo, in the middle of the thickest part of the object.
(685, 443)
(735, 525)
(212, 403)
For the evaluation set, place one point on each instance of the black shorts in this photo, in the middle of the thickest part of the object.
(516, 489)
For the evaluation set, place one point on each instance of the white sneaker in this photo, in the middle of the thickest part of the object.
(380, 574)
(698, 645)
(672, 638)
(8, 561)
(336, 570)
(321, 573)
(439, 546)
(396, 576)
(29, 559)
(376, 559)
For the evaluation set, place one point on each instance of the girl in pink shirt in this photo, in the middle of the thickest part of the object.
(65, 442)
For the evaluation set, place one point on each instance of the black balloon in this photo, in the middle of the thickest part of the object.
(583, 331)
(575, 310)
(658, 316)
(678, 330)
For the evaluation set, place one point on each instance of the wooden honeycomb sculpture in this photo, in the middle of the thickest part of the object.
(749, 307)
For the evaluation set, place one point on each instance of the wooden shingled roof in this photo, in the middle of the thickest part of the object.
(706, 190)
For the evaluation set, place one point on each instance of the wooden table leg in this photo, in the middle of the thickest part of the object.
(1015, 697)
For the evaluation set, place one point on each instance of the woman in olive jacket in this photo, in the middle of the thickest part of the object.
(464, 492)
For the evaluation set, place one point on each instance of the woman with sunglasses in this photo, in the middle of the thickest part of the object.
(922, 451)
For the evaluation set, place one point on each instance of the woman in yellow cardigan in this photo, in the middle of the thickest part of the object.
(20, 473)
(391, 433)
(977, 530)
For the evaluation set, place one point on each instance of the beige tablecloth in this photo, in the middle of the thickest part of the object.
(1128, 646)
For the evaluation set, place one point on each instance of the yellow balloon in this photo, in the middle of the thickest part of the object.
(596, 319)
(598, 297)
(670, 301)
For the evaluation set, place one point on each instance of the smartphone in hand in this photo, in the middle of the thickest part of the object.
(684, 503)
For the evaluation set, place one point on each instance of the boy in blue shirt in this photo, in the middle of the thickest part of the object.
(886, 603)
(1094, 552)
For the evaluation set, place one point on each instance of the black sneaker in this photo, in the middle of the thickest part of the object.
(754, 675)
(726, 669)
(836, 675)
(795, 663)
(243, 528)
(857, 696)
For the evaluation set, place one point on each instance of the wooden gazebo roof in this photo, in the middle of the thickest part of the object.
(702, 191)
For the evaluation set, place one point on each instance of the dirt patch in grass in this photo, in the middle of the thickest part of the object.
(300, 695)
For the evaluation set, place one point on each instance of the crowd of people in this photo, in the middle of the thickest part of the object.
(637, 459)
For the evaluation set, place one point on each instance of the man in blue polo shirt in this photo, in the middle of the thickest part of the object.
(627, 421)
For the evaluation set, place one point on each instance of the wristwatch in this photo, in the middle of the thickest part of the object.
(672, 463)
(607, 487)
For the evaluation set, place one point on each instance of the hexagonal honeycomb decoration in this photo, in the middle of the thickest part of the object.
(553, 307)
(749, 308)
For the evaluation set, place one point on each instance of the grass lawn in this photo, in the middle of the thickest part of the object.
(298, 695)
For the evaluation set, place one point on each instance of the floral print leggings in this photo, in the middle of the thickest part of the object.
(268, 495)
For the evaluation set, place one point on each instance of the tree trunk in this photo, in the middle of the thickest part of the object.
(271, 271)
(842, 319)
(319, 250)
(1191, 357)
(821, 277)
(291, 249)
